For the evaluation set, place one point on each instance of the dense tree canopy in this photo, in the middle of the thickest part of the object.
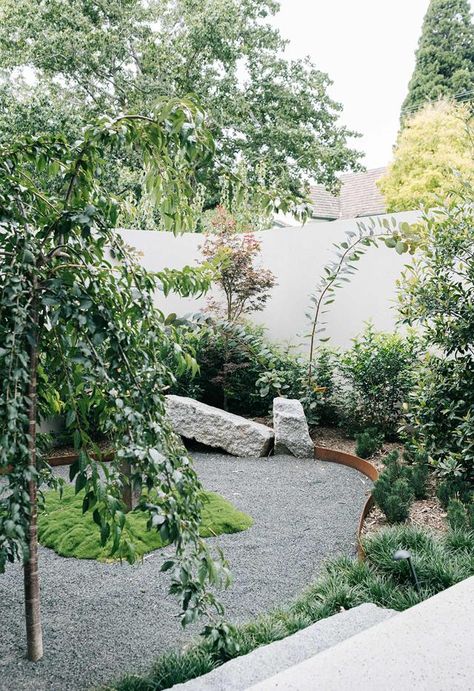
(112, 56)
(434, 145)
(445, 55)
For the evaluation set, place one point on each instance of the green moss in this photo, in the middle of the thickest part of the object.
(63, 527)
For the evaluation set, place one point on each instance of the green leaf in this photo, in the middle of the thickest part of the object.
(81, 481)
(70, 417)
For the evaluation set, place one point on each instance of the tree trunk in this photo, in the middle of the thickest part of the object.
(34, 634)
(130, 496)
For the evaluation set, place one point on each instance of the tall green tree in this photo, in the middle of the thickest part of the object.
(433, 148)
(112, 56)
(77, 316)
(445, 56)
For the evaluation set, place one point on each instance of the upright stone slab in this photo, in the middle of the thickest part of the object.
(291, 429)
(214, 427)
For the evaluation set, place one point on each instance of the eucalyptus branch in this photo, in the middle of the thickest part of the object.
(327, 288)
(402, 238)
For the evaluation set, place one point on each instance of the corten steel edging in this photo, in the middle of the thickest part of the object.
(69, 459)
(322, 453)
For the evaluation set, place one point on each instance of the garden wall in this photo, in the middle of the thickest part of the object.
(297, 256)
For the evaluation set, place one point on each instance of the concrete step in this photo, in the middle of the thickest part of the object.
(266, 661)
(427, 647)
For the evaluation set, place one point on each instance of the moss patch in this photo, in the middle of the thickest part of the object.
(64, 528)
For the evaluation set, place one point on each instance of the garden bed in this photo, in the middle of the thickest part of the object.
(424, 513)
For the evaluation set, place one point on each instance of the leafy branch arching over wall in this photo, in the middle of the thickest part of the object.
(402, 237)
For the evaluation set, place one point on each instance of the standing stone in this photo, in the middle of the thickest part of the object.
(217, 428)
(291, 429)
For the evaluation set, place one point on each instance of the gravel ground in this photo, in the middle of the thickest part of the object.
(103, 620)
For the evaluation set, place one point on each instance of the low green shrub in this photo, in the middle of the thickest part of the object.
(290, 378)
(418, 469)
(368, 442)
(418, 478)
(454, 487)
(439, 561)
(231, 359)
(241, 371)
(377, 372)
(392, 492)
(321, 400)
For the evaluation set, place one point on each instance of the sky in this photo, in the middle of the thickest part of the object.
(368, 49)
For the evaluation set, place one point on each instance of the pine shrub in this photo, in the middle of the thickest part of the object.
(418, 475)
(368, 442)
(458, 516)
(393, 492)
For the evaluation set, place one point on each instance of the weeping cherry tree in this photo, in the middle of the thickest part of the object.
(77, 317)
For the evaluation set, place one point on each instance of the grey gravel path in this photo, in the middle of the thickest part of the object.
(102, 620)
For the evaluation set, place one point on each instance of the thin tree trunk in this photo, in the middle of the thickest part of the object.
(130, 496)
(34, 634)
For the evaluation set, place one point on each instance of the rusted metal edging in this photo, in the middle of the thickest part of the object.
(69, 459)
(322, 453)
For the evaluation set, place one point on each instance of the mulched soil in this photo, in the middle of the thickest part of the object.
(59, 451)
(424, 513)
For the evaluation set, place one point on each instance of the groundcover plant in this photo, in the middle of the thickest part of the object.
(64, 527)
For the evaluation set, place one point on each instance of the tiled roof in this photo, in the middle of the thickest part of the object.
(359, 196)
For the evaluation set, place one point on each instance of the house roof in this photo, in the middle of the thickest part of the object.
(359, 196)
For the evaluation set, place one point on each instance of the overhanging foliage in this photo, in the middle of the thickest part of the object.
(77, 318)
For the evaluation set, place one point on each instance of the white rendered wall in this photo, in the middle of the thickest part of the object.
(296, 256)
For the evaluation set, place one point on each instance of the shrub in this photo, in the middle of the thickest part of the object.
(288, 377)
(322, 405)
(377, 374)
(392, 491)
(418, 476)
(418, 470)
(231, 358)
(440, 413)
(245, 287)
(242, 371)
(368, 442)
(436, 295)
(453, 488)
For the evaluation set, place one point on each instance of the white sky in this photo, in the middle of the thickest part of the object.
(367, 47)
